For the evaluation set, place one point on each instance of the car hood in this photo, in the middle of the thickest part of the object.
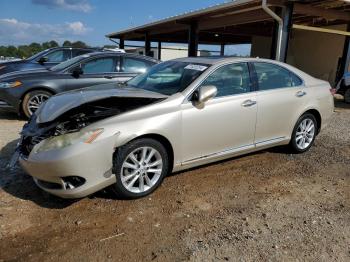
(30, 73)
(61, 103)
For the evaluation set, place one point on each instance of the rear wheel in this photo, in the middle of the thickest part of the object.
(33, 100)
(347, 96)
(304, 133)
(140, 167)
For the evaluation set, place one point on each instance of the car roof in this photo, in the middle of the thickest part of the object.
(101, 53)
(72, 48)
(212, 60)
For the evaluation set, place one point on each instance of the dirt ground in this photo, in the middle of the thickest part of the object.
(264, 206)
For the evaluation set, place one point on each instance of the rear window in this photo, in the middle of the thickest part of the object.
(271, 76)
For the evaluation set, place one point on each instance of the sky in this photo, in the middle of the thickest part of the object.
(27, 21)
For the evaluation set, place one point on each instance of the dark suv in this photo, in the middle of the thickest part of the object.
(24, 91)
(46, 58)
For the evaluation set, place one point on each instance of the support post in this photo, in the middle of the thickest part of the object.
(159, 50)
(193, 39)
(121, 43)
(222, 49)
(345, 59)
(287, 16)
(147, 45)
(274, 40)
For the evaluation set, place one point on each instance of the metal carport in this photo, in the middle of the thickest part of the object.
(241, 21)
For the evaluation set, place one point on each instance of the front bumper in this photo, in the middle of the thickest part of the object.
(4, 106)
(10, 99)
(92, 162)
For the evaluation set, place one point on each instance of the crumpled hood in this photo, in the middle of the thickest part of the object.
(61, 103)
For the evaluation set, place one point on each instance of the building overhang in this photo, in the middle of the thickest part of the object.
(237, 21)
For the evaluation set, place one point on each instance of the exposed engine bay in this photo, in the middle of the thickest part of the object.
(76, 119)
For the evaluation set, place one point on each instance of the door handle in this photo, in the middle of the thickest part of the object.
(248, 103)
(108, 77)
(300, 93)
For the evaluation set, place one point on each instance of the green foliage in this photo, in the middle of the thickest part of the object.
(67, 43)
(24, 51)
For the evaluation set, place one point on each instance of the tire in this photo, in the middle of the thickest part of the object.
(128, 169)
(299, 133)
(33, 100)
(347, 96)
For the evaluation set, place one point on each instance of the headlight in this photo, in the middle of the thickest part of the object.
(62, 141)
(10, 84)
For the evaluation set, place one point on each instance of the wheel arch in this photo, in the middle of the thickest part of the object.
(317, 115)
(164, 141)
(44, 88)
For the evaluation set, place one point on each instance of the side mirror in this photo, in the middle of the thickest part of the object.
(42, 60)
(204, 94)
(77, 72)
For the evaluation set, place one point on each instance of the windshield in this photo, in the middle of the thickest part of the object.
(68, 63)
(169, 77)
(37, 55)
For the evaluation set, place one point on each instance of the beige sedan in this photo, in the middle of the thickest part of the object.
(181, 114)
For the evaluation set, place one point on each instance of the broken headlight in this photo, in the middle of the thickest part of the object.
(58, 142)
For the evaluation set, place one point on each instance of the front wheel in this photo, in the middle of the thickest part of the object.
(139, 167)
(33, 100)
(304, 133)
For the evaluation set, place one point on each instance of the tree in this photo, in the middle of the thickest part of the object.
(79, 44)
(67, 43)
(53, 43)
(46, 45)
(11, 51)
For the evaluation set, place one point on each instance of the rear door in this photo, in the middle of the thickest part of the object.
(280, 97)
(98, 70)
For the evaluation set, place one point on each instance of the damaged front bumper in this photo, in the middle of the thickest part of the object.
(72, 172)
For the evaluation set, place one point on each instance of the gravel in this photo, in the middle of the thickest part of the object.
(269, 205)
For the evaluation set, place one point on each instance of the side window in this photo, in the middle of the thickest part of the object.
(99, 65)
(230, 79)
(58, 56)
(272, 76)
(77, 52)
(134, 65)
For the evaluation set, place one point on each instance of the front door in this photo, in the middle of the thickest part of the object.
(101, 70)
(224, 123)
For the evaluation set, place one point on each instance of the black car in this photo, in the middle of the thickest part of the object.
(24, 91)
(343, 87)
(44, 59)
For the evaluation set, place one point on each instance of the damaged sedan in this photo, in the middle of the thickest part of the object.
(180, 114)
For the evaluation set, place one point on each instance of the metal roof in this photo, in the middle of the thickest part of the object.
(186, 15)
(236, 21)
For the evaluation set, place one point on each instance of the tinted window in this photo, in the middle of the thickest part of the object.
(99, 65)
(58, 56)
(272, 76)
(79, 52)
(230, 79)
(134, 65)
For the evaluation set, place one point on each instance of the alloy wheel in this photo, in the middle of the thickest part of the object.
(305, 133)
(141, 169)
(35, 101)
